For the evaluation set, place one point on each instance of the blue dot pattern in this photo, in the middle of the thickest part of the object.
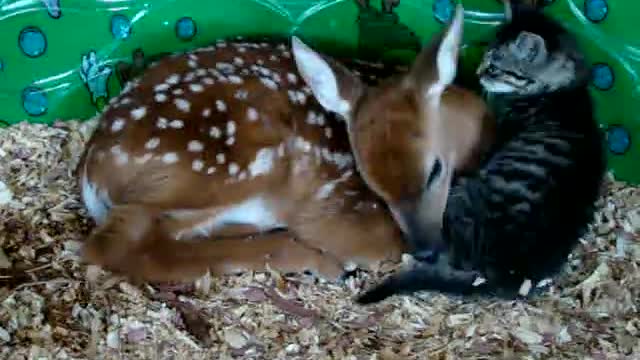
(596, 10)
(443, 10)
(618, 140)
(602, 76)
(34, 101)
(185, 28)
(32, 41)
(120, 26)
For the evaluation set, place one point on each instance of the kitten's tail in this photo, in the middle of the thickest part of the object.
(424, 277)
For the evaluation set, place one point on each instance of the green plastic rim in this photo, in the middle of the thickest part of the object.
(64, 59)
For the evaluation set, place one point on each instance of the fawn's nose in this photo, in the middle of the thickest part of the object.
(423, 238)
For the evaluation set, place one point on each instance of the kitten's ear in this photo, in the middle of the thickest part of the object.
(530, 46)
(335, 87)
(436, 66)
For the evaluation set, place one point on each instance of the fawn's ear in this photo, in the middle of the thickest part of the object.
(335, 87)
(435, 67)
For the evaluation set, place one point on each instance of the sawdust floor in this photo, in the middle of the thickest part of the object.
(52, 306)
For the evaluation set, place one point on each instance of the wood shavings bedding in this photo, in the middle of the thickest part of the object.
(52, 306)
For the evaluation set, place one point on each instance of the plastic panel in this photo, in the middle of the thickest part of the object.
(64, 59)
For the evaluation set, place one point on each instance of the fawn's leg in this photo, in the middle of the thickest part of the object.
(136, 242)
(351, 225)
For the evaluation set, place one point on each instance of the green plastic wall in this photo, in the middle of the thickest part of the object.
(63, 59)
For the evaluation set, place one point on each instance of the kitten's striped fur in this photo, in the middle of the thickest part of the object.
(524, 212)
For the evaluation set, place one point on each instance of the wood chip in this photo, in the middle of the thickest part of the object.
(235, 338)
(5, 263)
(5, 194)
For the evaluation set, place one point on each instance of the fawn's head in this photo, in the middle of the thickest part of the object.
(397, 129)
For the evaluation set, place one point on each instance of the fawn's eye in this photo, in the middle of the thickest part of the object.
(436, 170)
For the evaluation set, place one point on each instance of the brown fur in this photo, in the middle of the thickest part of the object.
(350, 226)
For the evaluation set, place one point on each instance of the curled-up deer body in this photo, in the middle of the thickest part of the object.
(242, 138)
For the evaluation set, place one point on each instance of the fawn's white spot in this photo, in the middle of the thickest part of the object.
(235, 79)
(176, 124)
(221, 106)
(160, 97)
(220, 158)
(242, 49)
(189, 77)
(138, 113)
(230, 141)
(197, 165)
(241, 94)
(193, 56)
(152, 143)
(173, 79)
(297, 97)
(263, 163)
(325, 190)
(121, 159)
(182, 105)
(195, 146)
(143, 159)
(233, 168)
(274, 58)
(201, 72)
(281, 149)
(192, 64)
(314, 118)
(242, 175)
(231, 128)
(238, 61)
(161, 87)
(162, 123)
(292, 78)
(196, 88)
(225, 67)
(117, 125)
(302, 144)
(178, 92)
(170, 158)
(116, 149)
(206, 112)
(125, 101)
(211, 170)
(252, 114)
(215, 132)
(328, 132)
(342, 160)
(269, 83)
(207, 81)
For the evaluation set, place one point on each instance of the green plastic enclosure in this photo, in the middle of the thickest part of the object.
(64, 59)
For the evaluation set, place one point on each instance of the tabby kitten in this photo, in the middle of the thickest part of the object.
(522, 214)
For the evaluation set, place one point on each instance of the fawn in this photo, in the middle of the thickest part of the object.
(234, 156)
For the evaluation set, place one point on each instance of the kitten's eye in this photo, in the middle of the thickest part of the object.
(436, 170)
